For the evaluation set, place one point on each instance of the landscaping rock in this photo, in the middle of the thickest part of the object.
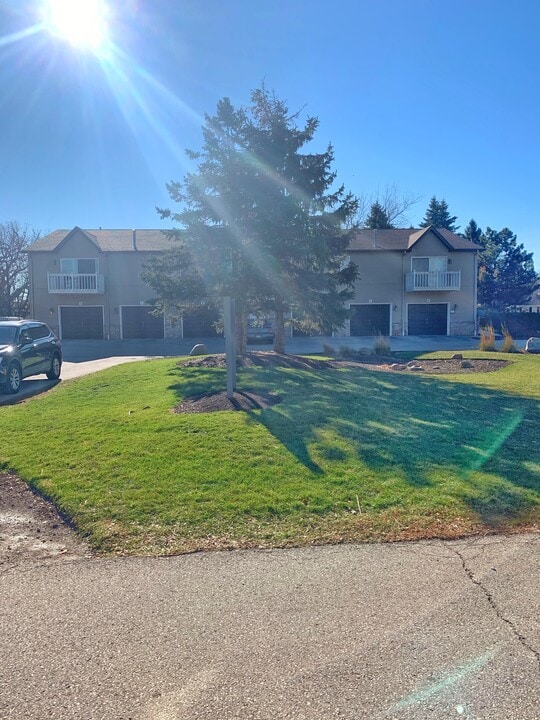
(533, 345)
(199, 349)
(457, 356)
(466, 364)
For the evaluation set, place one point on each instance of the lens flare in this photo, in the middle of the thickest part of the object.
(82, 23)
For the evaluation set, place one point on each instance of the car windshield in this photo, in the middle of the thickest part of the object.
(7, 334)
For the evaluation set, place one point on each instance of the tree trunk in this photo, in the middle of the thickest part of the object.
(279, 328)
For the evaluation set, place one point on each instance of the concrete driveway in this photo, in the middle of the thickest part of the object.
(39, 384)
(84, 350)
(438, 630)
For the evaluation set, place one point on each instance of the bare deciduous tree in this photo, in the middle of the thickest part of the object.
(394, 204)
(14, 239)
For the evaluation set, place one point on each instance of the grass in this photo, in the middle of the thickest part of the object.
(348, 454)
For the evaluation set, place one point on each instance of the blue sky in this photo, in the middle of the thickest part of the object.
(436, 97)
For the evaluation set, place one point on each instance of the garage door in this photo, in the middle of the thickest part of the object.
(200, 323)
(81, 323)
(370, 319)
(138, 322)
(428, 319)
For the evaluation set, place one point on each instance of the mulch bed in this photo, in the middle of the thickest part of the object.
(247, 401)
(216, 402)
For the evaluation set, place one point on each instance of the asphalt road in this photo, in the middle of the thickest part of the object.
(405, 631)
(443, 630)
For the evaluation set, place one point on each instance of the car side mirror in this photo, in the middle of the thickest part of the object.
(25, 338)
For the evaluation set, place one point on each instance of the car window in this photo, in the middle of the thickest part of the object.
(38, 331)
(7, 335)
(25, 336)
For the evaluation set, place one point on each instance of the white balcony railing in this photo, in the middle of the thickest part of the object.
(433, 280)
(76, 283)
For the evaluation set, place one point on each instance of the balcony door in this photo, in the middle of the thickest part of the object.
(437, 263)
(78, 266)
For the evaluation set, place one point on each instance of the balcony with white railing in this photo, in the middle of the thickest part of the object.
(76, 283)
(433, 280)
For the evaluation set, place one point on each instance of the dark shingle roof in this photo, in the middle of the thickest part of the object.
(396, 239)
(107, 240)
(402, 239)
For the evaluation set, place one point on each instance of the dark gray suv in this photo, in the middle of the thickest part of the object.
(27, 347)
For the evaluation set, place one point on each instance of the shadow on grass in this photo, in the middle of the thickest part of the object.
(415, 427)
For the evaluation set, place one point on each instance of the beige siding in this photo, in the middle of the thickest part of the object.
(122, 283)
(382, 280)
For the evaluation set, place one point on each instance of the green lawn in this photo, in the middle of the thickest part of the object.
(348, 454)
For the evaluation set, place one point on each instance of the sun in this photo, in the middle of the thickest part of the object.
(82, 23)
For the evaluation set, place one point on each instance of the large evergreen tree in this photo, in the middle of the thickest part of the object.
(506, 273)
(378, 217)
(261, 221)
(438, 215)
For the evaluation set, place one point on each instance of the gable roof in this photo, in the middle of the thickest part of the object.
(404, 239)
(107, 240)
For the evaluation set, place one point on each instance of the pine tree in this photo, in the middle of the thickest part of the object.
(437, 214)
(378, 218)
(506, 273)
(472, 232)
(262, 221)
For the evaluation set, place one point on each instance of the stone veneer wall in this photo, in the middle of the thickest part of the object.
(462, 328)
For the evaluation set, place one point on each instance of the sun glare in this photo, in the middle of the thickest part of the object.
(82, 23)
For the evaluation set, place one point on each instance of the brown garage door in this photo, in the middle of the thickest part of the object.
(370, 319)
(428, 319)
(81, 323)
(138, 322)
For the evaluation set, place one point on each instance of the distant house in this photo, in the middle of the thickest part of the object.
(531, 306)
(413, 282)
(86, 284)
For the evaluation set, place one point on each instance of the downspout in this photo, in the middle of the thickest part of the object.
(31, 284)
(475, 305)
(403, 294)
(106, 292)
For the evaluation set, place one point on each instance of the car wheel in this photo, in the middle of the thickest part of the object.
(56, 365)
(13, 379)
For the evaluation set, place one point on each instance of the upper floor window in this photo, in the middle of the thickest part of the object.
(429, 264)
(78, 266)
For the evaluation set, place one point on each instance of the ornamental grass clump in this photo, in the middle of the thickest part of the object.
(487, 338)
(508, 345)
(382, 345)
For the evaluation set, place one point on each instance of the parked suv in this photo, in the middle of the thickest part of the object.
(27, 347)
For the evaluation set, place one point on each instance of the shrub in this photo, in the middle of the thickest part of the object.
(347, 352)
(508, 345)
(487, 338)
(328, 350)
(382, 345)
